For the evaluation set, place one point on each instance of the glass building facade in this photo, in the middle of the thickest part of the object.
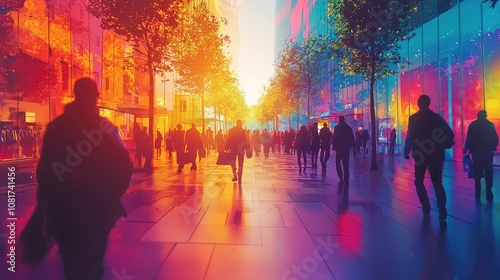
(454, 58)
(46, 45)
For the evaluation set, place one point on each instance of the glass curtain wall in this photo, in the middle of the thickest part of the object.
(45, 45)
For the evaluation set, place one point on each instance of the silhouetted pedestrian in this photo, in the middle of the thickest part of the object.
(219, 141)
(148, 152)
(83, 171)
(193, 144)
(266, 143)
(392, 142)
(427, 137)
(343, 141)
(365, 136)
(325, 137)
(315, 144)
(178, 140)
(302, 145)
(482, 141)
(158, 140)
(236, 144)
(358, 143)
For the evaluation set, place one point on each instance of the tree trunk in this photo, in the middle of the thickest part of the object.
(203, 107)
(297, 111)
(374, 165)
(308, 111)
(215, 121)
(151, 112)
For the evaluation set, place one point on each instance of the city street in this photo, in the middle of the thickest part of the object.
(282, 224)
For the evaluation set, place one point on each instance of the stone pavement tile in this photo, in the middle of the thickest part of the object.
(315, 218)
(274, 197)
(140, 260)
(227, 204)
(289, 215)
(148, 213)
(255, 262)
(214, 218)
(129, 231)
(186, 262)
(228, 234)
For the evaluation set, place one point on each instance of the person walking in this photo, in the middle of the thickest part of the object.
(266, 142)
(392, 141)
(193, 145)
(343, 141)
(481, 142)
(178, 139)
(158, 140)
(148, 152)
(236, 144)
(427, 137)
(365, 136)
(325, 137)
(219, 141)
(315, 144)
(83, 171)
(302, 145)
(358, 143)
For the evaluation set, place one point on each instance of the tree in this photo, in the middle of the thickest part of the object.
(308, 60)
(288, 76)
(366, 42)
(148, 26)
(198, 51)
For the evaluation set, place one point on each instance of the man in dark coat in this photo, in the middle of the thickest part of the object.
(427, 138)
(302, 144)
(83, 171)
(482, 141)
(236, 144)
(315, 142)
(343, 141)
(178, 140)
(325, 137)
(193, 144)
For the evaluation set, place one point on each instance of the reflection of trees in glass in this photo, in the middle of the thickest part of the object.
(366, 42)
(198, 50)
(148, 26)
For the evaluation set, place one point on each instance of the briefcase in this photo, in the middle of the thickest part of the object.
(225, 158)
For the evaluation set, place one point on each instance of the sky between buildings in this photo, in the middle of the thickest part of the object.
(256, 55)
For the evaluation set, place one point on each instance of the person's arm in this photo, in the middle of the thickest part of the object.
(409, 140)
(495, 137)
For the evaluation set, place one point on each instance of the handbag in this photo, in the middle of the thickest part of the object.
(184, 158)
(34, 243)
(225, 158)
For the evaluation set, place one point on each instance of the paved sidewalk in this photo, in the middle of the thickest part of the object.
(282, 224)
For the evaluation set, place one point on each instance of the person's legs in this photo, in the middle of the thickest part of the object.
(82, 251)
(488, 175)
(436, 172)
(345, 164)
(327, 157)
(477, 171)
(419, 185)
(298, 161)
(338, 166)
(241, 158)
(304, 155)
